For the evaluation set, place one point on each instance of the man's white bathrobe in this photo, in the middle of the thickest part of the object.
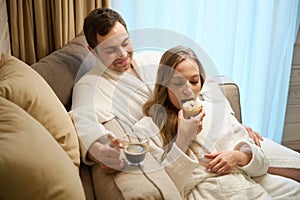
(102, 94)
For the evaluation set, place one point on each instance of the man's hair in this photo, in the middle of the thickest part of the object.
(100, 21)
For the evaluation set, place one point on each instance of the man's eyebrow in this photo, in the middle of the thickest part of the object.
(112, 47)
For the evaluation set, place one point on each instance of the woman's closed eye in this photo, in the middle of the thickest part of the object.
(125, 44)
(194, 82)
(182, 82)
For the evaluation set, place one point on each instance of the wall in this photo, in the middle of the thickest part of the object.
(291, 136)
(4, 32)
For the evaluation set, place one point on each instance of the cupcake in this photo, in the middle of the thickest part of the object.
(191, 108)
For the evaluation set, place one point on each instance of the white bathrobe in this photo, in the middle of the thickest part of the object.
(221, 132)
(278, 155)
(102, 94)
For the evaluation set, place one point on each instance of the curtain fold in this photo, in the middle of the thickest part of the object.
(37, 28)
(4, 31)
(249, 41)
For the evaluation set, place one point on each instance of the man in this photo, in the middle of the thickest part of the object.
(117, 88)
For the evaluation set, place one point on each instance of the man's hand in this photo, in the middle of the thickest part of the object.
(254, 135)
(107, 155)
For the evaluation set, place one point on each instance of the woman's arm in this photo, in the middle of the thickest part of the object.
(246, 156)
(258, 165)
(178, 163)
(224, 162)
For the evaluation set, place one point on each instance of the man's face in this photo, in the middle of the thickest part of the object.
(115, 49)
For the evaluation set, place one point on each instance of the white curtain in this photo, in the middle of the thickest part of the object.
(249, 41)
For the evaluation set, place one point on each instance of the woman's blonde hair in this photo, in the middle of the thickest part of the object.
(159, 107)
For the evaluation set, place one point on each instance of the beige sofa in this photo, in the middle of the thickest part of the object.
(30, 92)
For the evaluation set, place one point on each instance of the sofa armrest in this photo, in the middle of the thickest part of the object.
(231, 92)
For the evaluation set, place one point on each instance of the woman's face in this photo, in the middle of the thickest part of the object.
(185, 83)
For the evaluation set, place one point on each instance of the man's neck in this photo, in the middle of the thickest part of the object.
(133, 72)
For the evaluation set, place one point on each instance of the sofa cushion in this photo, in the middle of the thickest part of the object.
(22, 85)
(32, 164)
(60, 68)
(231, 91)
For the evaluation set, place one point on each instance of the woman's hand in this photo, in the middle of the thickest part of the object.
(224, 162)
(254, 135)
(188, 129)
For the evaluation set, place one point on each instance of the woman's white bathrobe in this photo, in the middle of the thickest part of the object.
(278, 155)
(221, 132)
(102, 94)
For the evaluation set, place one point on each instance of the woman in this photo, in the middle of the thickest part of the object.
(209, 156)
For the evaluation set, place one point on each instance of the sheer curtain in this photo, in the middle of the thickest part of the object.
(249, 41)
(39, 27)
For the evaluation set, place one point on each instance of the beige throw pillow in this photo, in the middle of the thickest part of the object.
(32, 164)
(22, 85)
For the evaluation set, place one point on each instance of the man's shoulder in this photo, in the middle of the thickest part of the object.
(91, 77)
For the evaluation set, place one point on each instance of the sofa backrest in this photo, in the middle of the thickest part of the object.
(232, 93)
(60, 68)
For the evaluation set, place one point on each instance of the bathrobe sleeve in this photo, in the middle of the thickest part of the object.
(177, 163)
(258, 164)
